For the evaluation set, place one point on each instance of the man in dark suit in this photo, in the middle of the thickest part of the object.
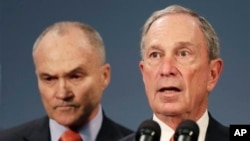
(180, 67)
(72, 74)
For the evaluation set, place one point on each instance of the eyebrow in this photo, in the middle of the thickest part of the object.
(45, 74)
(75, 70)
(154, 47)
(184, 44)
(181, 43)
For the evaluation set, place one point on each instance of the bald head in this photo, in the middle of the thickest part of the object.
(60, 29)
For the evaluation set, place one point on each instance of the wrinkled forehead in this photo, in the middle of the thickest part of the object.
(175, 22)
(174, 28)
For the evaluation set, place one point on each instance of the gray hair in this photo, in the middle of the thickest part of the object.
(206, 27)
(62, 28)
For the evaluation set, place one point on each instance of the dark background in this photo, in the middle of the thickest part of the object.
(119, 22)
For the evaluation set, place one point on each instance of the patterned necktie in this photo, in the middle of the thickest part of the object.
(70, 135)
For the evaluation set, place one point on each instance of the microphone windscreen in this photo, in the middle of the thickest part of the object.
(149, 128)
(187, 128)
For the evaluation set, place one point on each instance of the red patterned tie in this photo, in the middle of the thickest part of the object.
(172, 138)
(70, 135)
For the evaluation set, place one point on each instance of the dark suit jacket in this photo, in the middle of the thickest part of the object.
(38, 130)
(215, 132)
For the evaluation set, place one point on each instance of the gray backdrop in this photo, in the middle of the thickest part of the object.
(119, 22)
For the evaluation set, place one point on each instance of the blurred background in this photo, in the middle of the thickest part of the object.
(119, 22)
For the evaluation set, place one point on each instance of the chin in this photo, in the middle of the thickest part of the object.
(66, 120)
(170, 110)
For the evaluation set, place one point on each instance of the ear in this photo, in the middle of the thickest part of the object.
(106, 75)
(141, 66)
(216, 67)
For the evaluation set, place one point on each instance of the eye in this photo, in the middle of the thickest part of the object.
(75, 76)
(154, 55)
(48, 79)
(185, 56)
(183, 53)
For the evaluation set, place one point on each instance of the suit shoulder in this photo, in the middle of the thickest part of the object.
(218, 126)
(112, 131)
(116, 126)
(14, 133)
(217, 131)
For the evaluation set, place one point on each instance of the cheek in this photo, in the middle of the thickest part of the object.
(81, 92)
(149, 75)
(148, 80)
(47, 100)
(88, 92)
(196, 77)
(196, 84)
(46, 93)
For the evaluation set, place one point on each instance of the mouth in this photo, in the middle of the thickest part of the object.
(65, 107)
(169, 89)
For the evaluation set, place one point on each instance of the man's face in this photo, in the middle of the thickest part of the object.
(176, 71)
(70, 76)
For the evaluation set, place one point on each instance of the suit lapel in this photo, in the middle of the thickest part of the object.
(41, 132)
(216, 131)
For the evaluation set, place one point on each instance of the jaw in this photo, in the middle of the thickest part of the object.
(173, 113)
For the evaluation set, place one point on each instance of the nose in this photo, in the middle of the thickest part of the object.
(168, 67)
(64, 90)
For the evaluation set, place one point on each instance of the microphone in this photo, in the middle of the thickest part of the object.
(187, 130)
(149, 130)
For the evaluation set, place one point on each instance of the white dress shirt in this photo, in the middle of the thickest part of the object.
(88, 133)
(167, 132)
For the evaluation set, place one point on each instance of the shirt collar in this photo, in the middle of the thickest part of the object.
(89, 132)
(167, 132)
(203, 124)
